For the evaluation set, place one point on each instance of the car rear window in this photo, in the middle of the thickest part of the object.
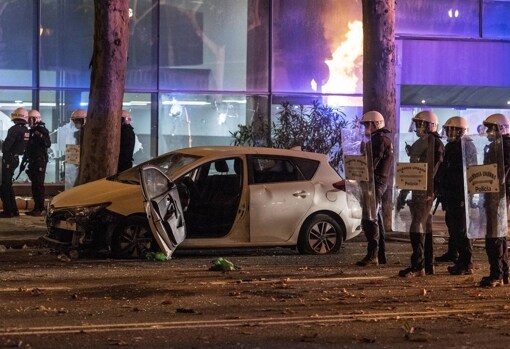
(273, 169)
(308, 167)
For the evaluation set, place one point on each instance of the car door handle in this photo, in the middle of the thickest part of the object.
(301, 194)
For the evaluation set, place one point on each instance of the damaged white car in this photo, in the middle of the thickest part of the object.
(209, 197)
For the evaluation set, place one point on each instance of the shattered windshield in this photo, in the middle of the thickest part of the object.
(169, 163)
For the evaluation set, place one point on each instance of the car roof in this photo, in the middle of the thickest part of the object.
(238, 150)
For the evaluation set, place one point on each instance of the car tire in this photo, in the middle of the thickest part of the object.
(133, 238)
(320, 234)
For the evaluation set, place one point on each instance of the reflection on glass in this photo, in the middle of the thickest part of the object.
(438, 18)
(66, 34)
(17, 42)
(495, 22)
(143, 45)
(200, 120)
(200, 51)
(139, 104)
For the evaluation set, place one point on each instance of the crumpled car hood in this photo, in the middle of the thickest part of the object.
(125, 198)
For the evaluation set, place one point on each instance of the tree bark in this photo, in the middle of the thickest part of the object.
(100, 146)
(379, 67)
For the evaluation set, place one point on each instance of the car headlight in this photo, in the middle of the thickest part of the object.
(86, 211)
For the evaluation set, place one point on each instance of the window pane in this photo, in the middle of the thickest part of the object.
(143, 45)
(56, 108)
(9, 101)
(67, 28)
(495, 19)
(139, 104)
(16, 42)
(317, 46)
(199, 50)
(197, 120)
(458, 18)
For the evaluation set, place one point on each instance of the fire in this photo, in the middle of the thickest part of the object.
(343, 67)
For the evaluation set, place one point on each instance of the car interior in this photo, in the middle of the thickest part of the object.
(214, 193)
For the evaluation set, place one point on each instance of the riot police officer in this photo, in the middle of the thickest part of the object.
(36, 154)
(381, 147)
(79, 119)
(498, 133)
(127, 142)
(450, 191)
(71, 168)
(428, 149)
(12, 147)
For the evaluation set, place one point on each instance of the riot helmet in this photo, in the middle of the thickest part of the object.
(79, 117)
(34, 117)
(373, 121)
(424, 122)
(454, 128)
(496, 125)
(20, 114)
(126, 117)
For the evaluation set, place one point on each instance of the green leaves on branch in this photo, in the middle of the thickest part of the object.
(315, 128)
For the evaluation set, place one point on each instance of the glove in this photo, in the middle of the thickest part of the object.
(408, 149)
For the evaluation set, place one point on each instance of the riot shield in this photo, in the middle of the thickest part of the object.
(415, 167)
(2, 137)
(359, 174)
(484, 178)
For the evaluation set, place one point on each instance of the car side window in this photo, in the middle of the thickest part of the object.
(273, 170)
(222, 167)
(222, 175)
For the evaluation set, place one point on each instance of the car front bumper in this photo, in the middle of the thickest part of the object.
(67, 229)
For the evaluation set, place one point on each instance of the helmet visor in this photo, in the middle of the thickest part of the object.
(419, 126)
(368, 127)
(452, 132)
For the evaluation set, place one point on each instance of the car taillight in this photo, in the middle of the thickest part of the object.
(340, 185)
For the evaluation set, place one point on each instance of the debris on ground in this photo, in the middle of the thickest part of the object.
(156, 256)
(222, 264)
(63, 257)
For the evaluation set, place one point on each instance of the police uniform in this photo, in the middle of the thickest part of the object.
(127, 145)
(382, 160)
(427, 149)
(496, 247)
(451, 190)
(12, 147)
(37, 155)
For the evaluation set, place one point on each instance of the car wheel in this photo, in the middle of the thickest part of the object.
(133, 238)
(320, 234)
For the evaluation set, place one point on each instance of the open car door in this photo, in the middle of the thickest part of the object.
(163, 209)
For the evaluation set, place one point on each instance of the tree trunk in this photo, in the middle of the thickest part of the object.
(100, 146)
(379, 72)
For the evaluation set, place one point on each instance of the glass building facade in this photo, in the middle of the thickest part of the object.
(198, 69)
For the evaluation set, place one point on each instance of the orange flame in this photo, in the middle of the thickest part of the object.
(343, 70)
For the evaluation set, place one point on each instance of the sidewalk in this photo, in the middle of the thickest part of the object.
(23, 230)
